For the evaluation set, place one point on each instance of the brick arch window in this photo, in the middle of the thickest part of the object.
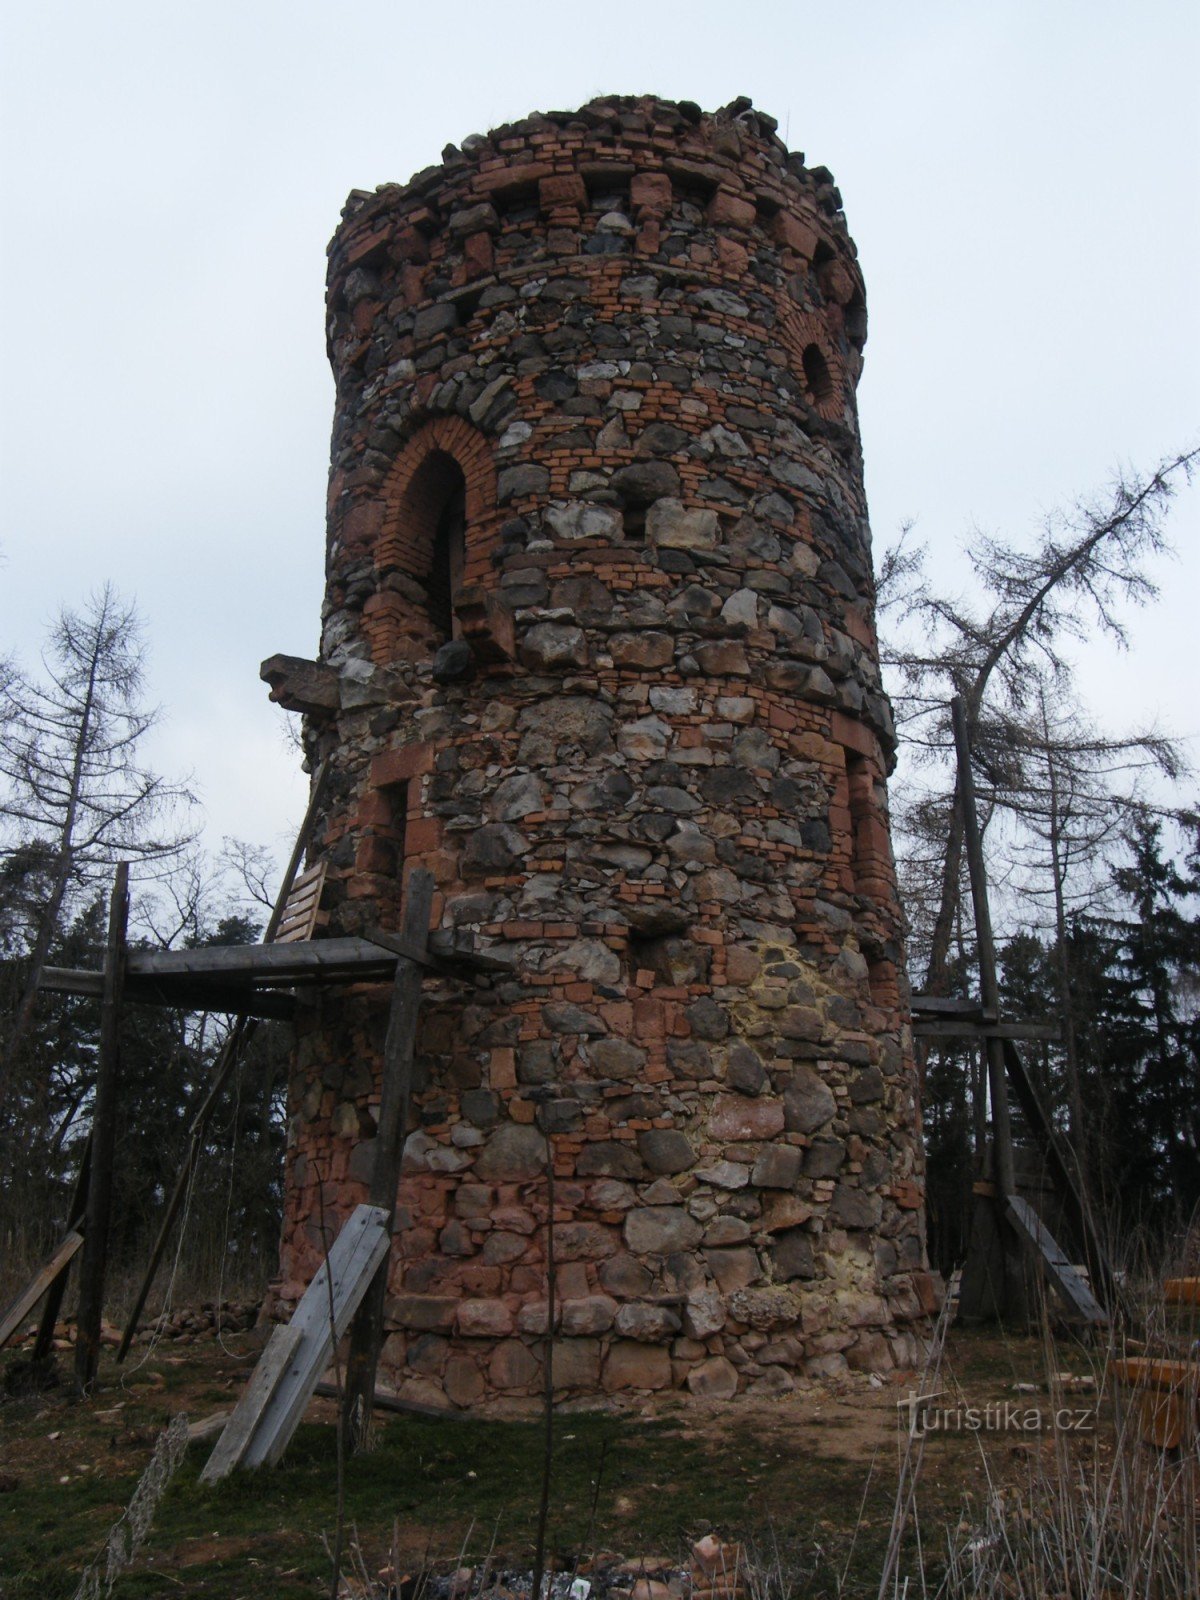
(439, 526)
(439, 497)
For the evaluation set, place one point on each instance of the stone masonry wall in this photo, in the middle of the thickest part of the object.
(647, 768)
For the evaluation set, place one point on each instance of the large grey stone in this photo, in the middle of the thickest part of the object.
(666, 1150)
(516, 797)
(658, 1230)
(515, 1150)
(808, 1102)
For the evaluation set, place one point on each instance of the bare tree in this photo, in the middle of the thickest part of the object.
(73, 786)
(1081, 791)
(1081, 569)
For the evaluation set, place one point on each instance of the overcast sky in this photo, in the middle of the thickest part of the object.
(1021, 181)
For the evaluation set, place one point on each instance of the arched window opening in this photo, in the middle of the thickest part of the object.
(816, 373)
(449, 553)
(437, 507)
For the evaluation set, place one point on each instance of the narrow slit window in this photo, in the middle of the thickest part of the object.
(448, 559)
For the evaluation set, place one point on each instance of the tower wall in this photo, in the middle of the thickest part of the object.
(599, 608)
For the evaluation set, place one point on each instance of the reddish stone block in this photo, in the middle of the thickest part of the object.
(563, 189)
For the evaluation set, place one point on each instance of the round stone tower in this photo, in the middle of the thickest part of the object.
(598, 651)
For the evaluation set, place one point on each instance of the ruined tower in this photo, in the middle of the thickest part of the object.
(598, 651)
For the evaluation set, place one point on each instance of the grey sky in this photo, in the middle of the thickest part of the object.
(1021, 180)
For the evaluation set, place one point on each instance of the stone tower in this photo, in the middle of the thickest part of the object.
(598, 651)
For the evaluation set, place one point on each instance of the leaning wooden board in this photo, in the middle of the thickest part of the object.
(1058, 1269)
(290, 1367)
(33, 1291)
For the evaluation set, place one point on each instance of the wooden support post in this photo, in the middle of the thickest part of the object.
(1012, 1295)
(104, 1131)
(366, 1333)
(989, 988)
(230, 1054)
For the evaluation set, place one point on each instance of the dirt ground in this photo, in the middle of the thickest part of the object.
(815, 1469)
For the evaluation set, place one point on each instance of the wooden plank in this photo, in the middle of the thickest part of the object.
(1060, 1163)
(1182, 1291)
(313, 959)
(44, 1342)
(345, 1274)
(33, 1291)
(257, 1395)
(966, 1028)
(1059, 1270)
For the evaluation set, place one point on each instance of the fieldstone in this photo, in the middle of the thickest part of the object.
(792, 1255)
(726, 1230)
(767, 1308)
(666, 1150)
(703, 1314)
(591, 960)
(852, 1208)
(463, 1382)
(744, 1070)
(824, 1157)
(733, 1269)
(484, 1319)
(777, 1167)
(724, 1174)
(519, 481)
(577, 1364)
(646, 739)
(707, 1019)
(588, 1314)
(735, 1118)
(650, 1324)
(714, 1379)
(643, 650)
(453, 662)
(424, 1311)
(609, 1159)
(631, 1365)
(615, 1058)
(516, 797)
(657, 1230)
(563, 1017)
(782, 1209)
(624, 1275)
(645, 481)
(670, 525)
(578, 519)
(808, 1102)
(550, 645)
(866, 1086)
(514, 1151)
(513, 1367)
(493, 851)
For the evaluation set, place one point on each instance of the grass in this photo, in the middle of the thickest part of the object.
(812, 1474)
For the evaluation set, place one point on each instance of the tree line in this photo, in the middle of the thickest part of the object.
(1093, 854)
(75, 797)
